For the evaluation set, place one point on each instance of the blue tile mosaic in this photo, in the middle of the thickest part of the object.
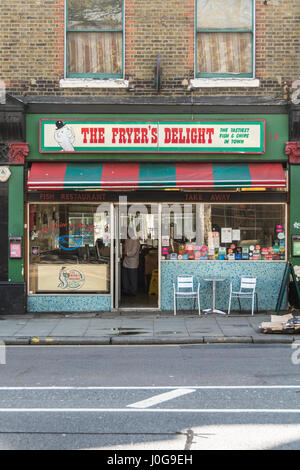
(61, 303)
(269, 277)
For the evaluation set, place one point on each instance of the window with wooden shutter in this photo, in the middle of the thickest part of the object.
(95, 38)
(224, 38)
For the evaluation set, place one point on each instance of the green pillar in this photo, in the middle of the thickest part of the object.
(294, 208)
(16, 220)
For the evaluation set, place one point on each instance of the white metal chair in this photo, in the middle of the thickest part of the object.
(247, 291)
(184, 288)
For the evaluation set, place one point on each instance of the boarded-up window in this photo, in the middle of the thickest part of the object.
(224, 45)
(94, 38)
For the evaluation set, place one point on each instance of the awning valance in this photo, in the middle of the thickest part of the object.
(128, 175)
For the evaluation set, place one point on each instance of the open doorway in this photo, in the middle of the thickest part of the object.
(137, 270)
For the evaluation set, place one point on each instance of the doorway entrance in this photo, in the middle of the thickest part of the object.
(137, 228)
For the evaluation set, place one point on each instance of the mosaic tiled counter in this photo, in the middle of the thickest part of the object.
(269, 277)
(69, 303)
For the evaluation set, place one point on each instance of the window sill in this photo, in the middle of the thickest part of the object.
(93, 83)
(223, 82)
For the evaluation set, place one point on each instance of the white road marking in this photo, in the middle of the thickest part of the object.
(146, 410)
(161, 398)
(142, 405)
(154, 387)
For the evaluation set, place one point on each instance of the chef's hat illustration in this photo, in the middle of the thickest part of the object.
(64, 136)
(59, 124)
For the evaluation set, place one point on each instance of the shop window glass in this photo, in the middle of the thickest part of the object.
(223, 232)
(224, 42)
(69, 249)
(94, 38)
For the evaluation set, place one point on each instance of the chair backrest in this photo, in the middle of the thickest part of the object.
(185, 283)
(248, 283)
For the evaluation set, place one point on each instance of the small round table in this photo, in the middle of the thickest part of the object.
(214, 280)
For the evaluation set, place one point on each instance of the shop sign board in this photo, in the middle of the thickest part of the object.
(75, 278)
(205, 136)
(68, 197)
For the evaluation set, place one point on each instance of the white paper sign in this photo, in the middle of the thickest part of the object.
(226, 235)
(213, 240)
(165, 240)
(236, 234)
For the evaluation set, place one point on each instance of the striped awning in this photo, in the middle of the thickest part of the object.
(129, 175)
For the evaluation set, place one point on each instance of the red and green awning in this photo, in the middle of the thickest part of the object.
(122, 176)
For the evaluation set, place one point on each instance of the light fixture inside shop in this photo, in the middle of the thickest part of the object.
(253, 189)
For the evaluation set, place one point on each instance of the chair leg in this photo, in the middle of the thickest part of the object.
(229, 305)
(199, 305)
(256, 302)
(253, 304)
(240, 304)
(174, 304)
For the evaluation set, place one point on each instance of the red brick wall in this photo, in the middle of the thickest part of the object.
(165, 27)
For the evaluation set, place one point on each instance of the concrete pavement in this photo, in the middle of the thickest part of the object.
(135, 328)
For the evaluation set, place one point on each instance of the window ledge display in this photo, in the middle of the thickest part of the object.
(226, 260)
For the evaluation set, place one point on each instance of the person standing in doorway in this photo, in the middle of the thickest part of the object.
(131, 264)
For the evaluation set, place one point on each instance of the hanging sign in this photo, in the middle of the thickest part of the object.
(78, 136)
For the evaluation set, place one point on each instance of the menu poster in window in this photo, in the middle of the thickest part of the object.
(165, 240)
(236, 234)
(213, 240)
(226, 235)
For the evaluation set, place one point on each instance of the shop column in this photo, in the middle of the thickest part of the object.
(292, 149)
(12, 285)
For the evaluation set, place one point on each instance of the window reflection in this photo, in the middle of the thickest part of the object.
(69, 249)
(223, 232)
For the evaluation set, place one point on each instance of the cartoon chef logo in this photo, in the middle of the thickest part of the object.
(70, 278)
(64, 136)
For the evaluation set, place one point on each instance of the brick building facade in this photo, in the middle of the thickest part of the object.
(32, 49)
(65, 64)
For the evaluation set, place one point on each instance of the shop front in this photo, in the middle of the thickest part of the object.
(119, 209)
(13, 151)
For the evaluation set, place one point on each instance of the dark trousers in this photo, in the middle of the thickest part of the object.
(129, 281)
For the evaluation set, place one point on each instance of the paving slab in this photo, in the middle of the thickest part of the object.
(71, 327)
(37, 327)
(207, 327)
(10, 327)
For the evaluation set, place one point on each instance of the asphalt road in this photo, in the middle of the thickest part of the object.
(150, 398)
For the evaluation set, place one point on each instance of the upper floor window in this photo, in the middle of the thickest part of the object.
(224, 38)
(94, 30)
